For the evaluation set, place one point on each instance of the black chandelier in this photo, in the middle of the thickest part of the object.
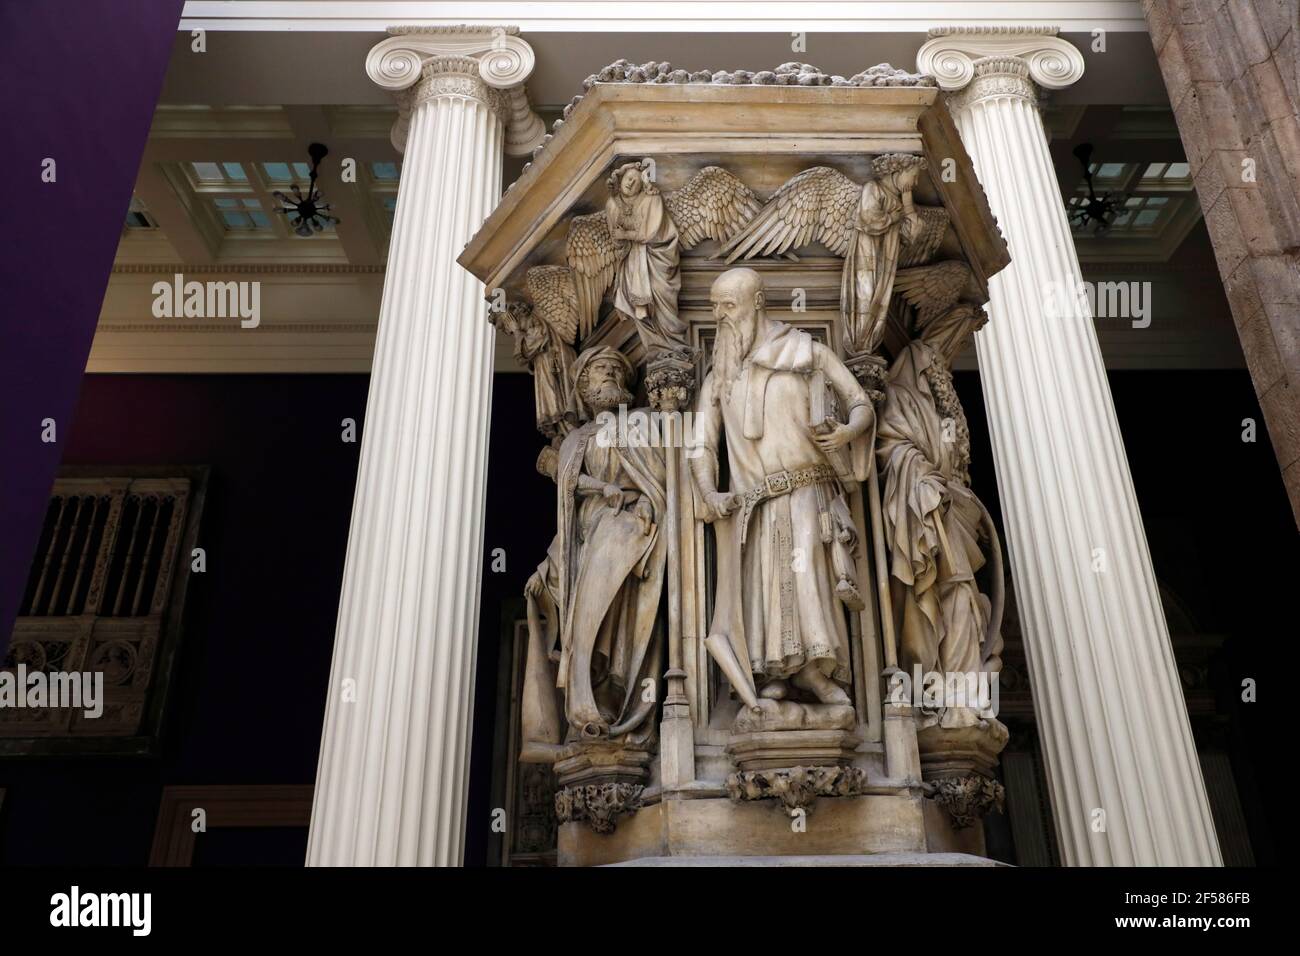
(307, 212)
(1099, 211)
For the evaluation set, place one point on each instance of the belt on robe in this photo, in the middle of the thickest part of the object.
(777, 484)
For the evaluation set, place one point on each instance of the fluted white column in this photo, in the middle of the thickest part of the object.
(1125, 783)
(393, 773)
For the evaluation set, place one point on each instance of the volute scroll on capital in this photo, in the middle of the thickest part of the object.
(489, 64)
(954, 55)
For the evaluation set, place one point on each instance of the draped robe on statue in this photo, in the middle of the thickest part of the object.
(869, 266)
(933, 546)
(551, 360)
(604, 576)
(646, 284)
(776, 600)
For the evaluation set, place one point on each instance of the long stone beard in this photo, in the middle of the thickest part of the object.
(607, 395)
(948, 405)
(729, 351)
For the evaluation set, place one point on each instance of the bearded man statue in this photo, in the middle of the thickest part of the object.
(779, 627)
(601, 582)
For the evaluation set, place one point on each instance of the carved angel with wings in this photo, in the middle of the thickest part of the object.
(632, 248)
(946, 301)
(874, 227)
(544, 333)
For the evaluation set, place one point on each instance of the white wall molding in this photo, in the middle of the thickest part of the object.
(663, 16)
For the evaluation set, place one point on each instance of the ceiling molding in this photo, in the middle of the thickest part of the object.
(665, 16)
(171, 327)
(292, 268)
(172, 121)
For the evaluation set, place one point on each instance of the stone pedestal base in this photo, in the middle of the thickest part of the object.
(601, 761)
(943, 836)
(599, 781)
(792, 748)
(782, 734)
(958, 750)
(959, 763)
(717, 827)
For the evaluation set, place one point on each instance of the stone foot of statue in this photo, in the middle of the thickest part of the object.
(847, 591)
(589, 723)
(775, 689)
(826, 690)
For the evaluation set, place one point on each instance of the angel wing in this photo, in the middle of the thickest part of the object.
(932, 289)
(918, 249)
(818, 205)
(713, 205)
(592, 254)
(555, 300)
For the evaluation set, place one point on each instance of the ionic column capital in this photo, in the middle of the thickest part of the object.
(996, 76)
(1010, 60)
(490, 64)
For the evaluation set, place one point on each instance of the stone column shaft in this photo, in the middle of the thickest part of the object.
(1122, 768)
(393, 773)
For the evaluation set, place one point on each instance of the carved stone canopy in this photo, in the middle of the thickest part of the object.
(760, 134)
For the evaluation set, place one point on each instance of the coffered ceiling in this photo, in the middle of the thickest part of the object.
(235, 121)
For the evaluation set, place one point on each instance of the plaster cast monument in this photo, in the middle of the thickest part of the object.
(716, 627)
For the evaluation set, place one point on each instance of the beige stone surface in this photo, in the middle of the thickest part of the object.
(1231, 73)
(942, 838)
(753, 127)
(618, 208)
(875, 823)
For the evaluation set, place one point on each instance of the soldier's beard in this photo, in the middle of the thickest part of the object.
(733, 343)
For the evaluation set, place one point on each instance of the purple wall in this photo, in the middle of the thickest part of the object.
(81, 82)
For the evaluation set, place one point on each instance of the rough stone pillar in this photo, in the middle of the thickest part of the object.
(1231, 72)
(1122, 769)
(394, 762)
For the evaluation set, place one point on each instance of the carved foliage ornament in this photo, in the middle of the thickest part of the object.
(598, 805)
(796, 787)
(967, 798)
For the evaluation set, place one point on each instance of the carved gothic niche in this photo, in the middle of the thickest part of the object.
(855, 203)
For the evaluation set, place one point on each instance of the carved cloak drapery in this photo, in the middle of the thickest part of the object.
(931, 523)
(775, 618)
(647, 281)
(869, 267)
(551, 360)
(611, 580)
